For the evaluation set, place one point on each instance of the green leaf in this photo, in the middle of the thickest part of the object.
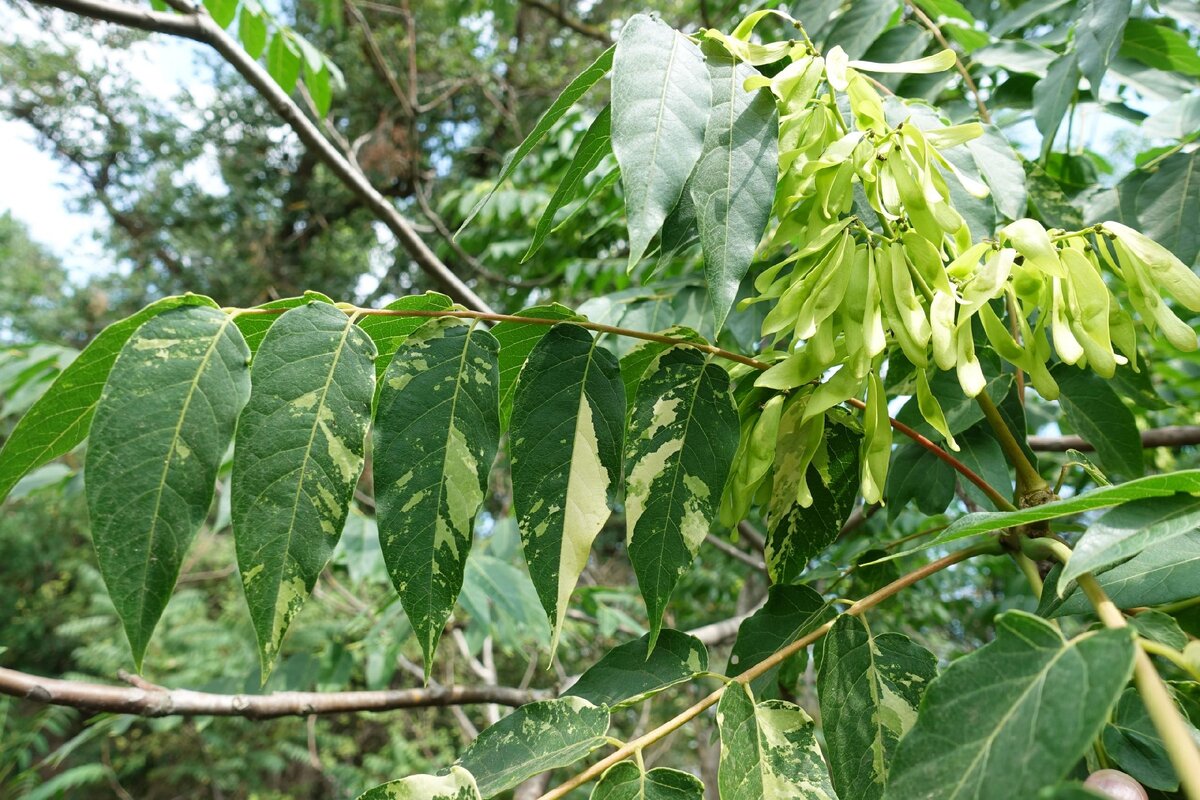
(576, 89)
(60, 418)
(565, 442)
(683, 432)
(791, 611)
(1127, 530)
(222, 11)
(1015, 56)
(252, 29)
(1169, 201)
(1103, 497)
(389, 332)
(437, 428)
(1035, 700)
(283, 61)
(917, 475)
(1097, 414)
(660, 101)
(255, 326)
(979, 450)
(502, 597)
(161, 429)
(1053, 94)
(1098, 28)
(457, 785)
(517, 340)
(1159, 627)
(624, 781)
(733, 186)
(535, 738)
(1002, 170)
(803, 532)
(631, 672)
(317, 83)
(860, 25)
(296, 461)
(639, 358)
(870, 687)
(1132, 741)
(594, 145)
(769, 751)
(1159, 46)
(1165, 572)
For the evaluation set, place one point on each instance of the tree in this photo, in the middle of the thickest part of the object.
(825, 248)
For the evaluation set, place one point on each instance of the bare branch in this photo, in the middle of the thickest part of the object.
(567, 21)
(1170, 436)
(147, 700)
(200, 27)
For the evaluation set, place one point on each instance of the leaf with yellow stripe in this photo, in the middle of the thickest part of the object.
(297, 459)
(160, 430)
(565, 439)
(437, 427)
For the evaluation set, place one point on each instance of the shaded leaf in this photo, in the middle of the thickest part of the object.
(1098, 28)
(1035, 700)
(517, 340)
(660, 101)
(769, 751)
(733, 185)
(565, 445)
(1165, 572)
(870, 687)
(918, 475)
(536, 737)
(631, 672)
(1053, 94)
(60, 418)
(683, 431)
(624, 781)
(437, 428)
(1001, 168)
(1097, 414)
(1168, 203)
(161, 428)
(790, 612)
(296, 461)
(1132, 741)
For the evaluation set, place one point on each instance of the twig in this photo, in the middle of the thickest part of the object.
(568, 21)
(733, 552)
(195, 24)
(155, 701)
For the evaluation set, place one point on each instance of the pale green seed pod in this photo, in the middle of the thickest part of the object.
(970, 373)
(931, 409)
(877, 441)
(1032, 241)
(1164, 267)
(941, 325)
(1065, 343)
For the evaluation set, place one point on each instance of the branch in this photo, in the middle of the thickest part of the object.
(200, 27)
(567, 21)
(1170, 436)
(148, 700)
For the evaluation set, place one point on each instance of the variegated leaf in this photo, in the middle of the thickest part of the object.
(458, 784)
(161, 428)
(625, 781)
(683, 433)
(567, 430)
(769, 751)
(437, 427)
(297, 459)
(389, 331)
(517, 340)
(536, 737)
(870, 687)
(631, 672)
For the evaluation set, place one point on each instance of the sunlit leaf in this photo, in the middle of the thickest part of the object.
(456, 785)
(624, 781)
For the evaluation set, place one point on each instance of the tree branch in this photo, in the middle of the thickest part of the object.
(147, 700)
(1169, 436)
(199, 27)
(567, 21)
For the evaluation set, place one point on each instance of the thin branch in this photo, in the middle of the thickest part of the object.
(148, 700)
(863, 605)
(199, 27)
(1169, 436)
(733, 552)
(567, 21)
(933, 28)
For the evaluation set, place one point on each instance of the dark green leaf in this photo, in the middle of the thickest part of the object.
(296, 461)
(624, 781)
(733, 186)
(631, 672)
(576, 89)
(980, 451)
(1169, 201)
(683, 432)
(917, 475)
(860, 25)
(517, 340)
(1002, 170)
(639, 358)
(60, 418)
(1097, 414)
(254, 326)
(1098, 28)
(1159, 627)
(1132, 741)
(456, 785)
(870, 687)
(769, 751)
(1162, 573)
(389, 332)
(536, 737)
(1035, 700)
(803, 532)
(791, 611)
(1053, 94)
(660, 101)
(565, 443)
(595, 144)
(162, 426)
(437, 428)
(1127, 530)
